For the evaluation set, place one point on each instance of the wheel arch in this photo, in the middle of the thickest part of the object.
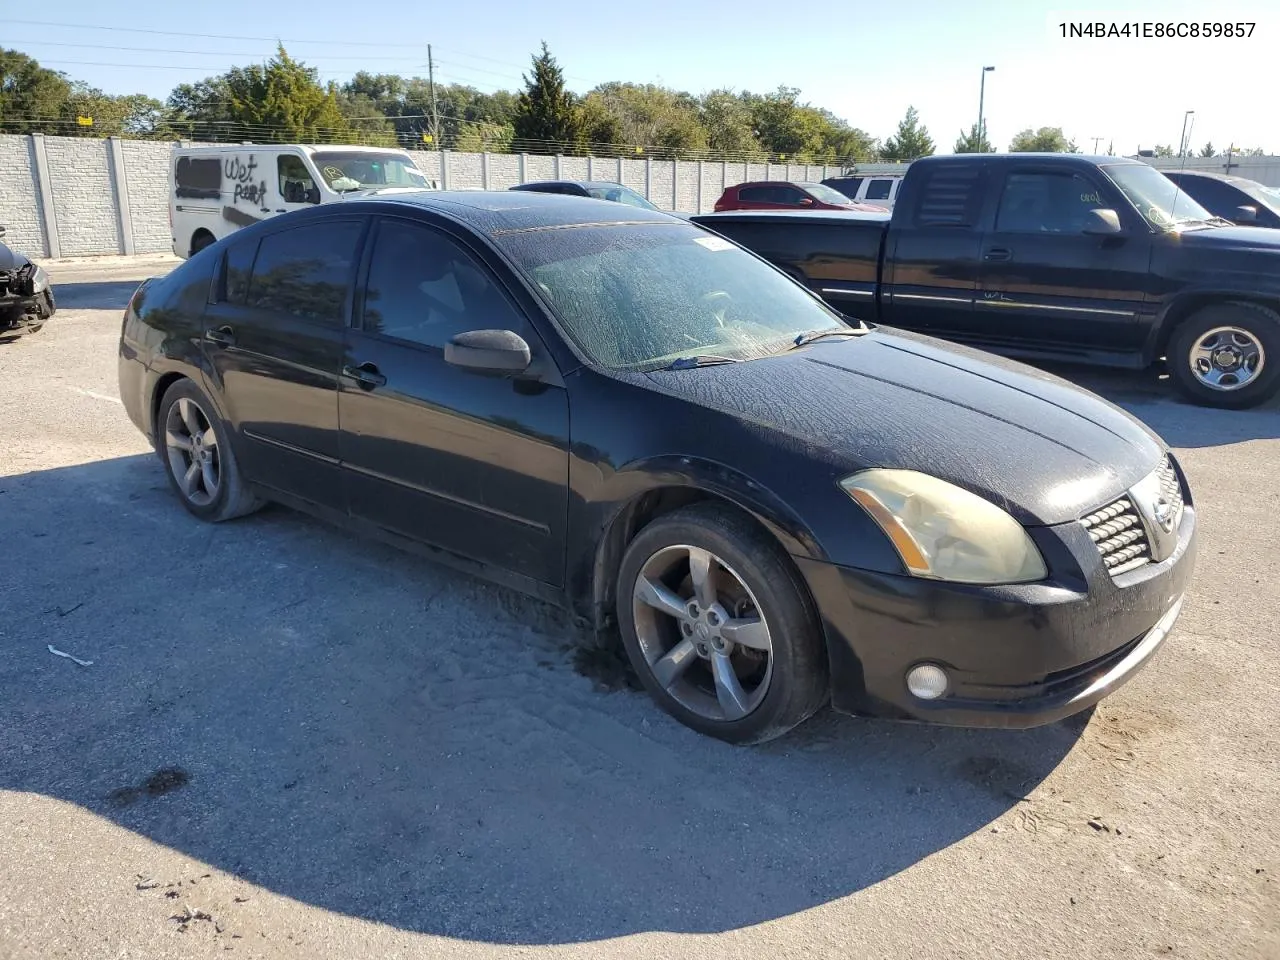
(663, 494)
(1191, 303)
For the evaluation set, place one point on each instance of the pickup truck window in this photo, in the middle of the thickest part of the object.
(1157, 197)
(1046, 202)
(949, 196)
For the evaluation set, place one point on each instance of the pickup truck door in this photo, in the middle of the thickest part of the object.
(930, 273)
(1043, 282)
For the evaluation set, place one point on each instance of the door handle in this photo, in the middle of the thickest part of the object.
(998, 253)
(223, 336)
(365, 374)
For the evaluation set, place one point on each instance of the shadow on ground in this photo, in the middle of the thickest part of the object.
(367, 732)
(95, 295)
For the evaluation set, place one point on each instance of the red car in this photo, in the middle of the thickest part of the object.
(781, 195)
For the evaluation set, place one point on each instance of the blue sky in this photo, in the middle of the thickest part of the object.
(866, 62)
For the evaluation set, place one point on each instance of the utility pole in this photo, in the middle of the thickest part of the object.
(1182, 142)
(435, 109)
(1096, 141)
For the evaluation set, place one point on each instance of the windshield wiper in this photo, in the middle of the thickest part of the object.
(804, 339)
(701, 360)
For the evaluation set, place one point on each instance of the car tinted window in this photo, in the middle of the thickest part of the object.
(949, 196)
(756, 195)
(306, 271)
(236, 268)
(1220, 199)
(425, 288)
(846, 185)
(879, 189)
(1047, 202)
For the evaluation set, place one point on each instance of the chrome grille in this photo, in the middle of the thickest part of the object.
(1119, 535)
(1170, 486)
(1118, 531)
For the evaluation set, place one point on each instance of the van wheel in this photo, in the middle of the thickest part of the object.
(202, 239)
(1227, 355)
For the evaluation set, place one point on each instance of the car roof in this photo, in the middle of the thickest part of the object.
(306, 147)
(504, 211)
(1207, 174)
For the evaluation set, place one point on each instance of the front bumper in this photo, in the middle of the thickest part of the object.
(1016, 656)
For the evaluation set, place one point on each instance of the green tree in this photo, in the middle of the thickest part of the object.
(651, 116)
(485, 137)
(1163, 150)
(911, 140)
(33, 99)
(1207, 150)
(1044, 140)
(282, 101)
(971, 142)
(545, 120)
(599, 129)
(727, 120)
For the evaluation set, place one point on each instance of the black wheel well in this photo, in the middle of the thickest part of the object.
(201, 232)
(631, 519)
(1189, 306)
(162, 387)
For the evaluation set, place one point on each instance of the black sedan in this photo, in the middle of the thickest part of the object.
(635, 418)
(1244, 202)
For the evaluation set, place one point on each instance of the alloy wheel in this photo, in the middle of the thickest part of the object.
(703, 635)
(191, 445)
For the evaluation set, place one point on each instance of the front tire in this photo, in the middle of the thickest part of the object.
(1227, 355)
(719, 627)
(193, 446)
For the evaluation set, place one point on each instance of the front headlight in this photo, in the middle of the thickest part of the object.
(943, 532)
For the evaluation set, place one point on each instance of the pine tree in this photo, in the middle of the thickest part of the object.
(546, 120)
(910, 141)
(972, 143)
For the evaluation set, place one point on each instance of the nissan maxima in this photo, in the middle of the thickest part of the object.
(771, 505)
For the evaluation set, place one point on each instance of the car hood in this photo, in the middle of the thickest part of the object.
(1231, 238)
(1044, 450)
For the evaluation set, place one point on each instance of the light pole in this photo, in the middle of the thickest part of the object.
(1182, 143)
(982, 93)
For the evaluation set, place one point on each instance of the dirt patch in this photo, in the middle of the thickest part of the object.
(163, 781)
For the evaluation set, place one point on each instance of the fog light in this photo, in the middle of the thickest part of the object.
(927, 681)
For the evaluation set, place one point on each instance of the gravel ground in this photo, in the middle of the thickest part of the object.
(293, 743)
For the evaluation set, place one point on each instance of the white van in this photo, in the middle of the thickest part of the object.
(878, 188)
(214, 191)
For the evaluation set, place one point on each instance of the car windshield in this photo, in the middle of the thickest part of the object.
(620, 194)
(820, 191)
(1157, 198)
(361, 170)
(638, 297)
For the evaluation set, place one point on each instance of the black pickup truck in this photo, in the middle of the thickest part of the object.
(1098, 260)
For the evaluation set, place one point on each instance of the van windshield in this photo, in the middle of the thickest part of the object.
(364, 169)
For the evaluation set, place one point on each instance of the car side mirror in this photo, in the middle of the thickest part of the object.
(1243, 215)
(806, 202)
(502, 352)
(1102, 223)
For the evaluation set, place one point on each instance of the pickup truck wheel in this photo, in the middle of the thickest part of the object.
(719, 627)
(1227, 355)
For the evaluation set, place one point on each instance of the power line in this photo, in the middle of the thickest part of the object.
(212, 36)
(204, 53)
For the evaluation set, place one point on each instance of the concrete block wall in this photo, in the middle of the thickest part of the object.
(85, 202)
(21, 212)
(146, 175)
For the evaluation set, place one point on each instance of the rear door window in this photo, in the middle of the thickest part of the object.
(756, 195)
(237, 266)
(879, 189)
(306, 271)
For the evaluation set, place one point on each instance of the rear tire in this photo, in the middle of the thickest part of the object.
(1227, 355)
(767, 671)
(193, 445)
